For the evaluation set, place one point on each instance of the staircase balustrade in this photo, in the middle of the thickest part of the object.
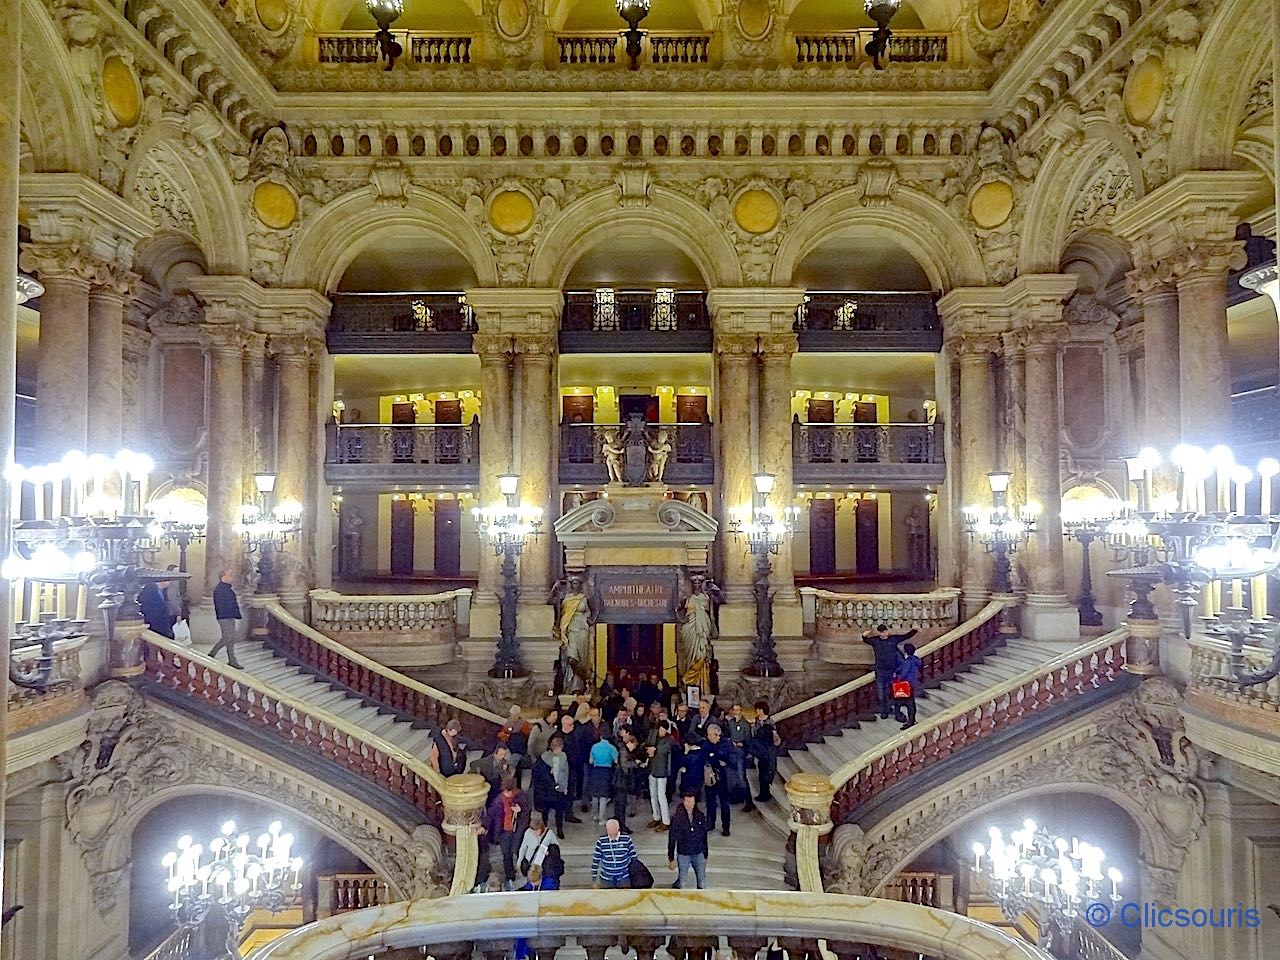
(433, 614)
(1212, 688)
(1089, 944)
(841, 617)
(409, 698)
(213, 684)
(692, 920)
(64, 694)
(856, 700)
(344, 892)
(1085, 669)
(179, 945)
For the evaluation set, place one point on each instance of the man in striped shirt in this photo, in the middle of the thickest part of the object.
(611, 861)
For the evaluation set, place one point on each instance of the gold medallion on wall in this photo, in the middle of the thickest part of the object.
(992, 13)
(121, 90)
(512, 18)
(1143, 89)
(273, 14)
(511, 212)
(756, 210)
(991, 204)
(275, 204)
(755, 17)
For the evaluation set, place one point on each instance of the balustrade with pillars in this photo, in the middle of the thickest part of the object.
(1212, 688)
(350, 47)
(344, 892)
(667, 49)
(849, 47)
(840, 618)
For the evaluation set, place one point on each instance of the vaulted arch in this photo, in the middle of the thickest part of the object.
(939, 242)
(56, 118)
(669, 216)
(333, 236)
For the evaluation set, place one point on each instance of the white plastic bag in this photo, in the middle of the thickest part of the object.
(182, 632)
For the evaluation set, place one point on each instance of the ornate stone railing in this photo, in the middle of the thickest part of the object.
(668, 49)
(1212, 689)
(28, 708)
(431, 616)
(631, 311)
(378, 453)
(361, 46)
(1085, 669)
(679, 48)
(692, 919)
(856, 700)
(179, 945)
(408, 698)
(840, 618)
(867, 452)
(344, 892)
(690, 460)
(927, 888)
(578, 48)
(194, 678)
(905, 46)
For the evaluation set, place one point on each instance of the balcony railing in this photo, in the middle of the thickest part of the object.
(841, 320)
(880, 453)
(361, 46)
(582, 458)
(840, 618)
(662, 320)
(374, 453)
(1212, 689)
(344, 892)
(64, 695)
(905, 46)
(407, 632)
(670, 49)
(428, 322)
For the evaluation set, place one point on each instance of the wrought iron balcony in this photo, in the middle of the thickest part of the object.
(848, 320)
(879, 453)
(646, 321)
(380, 453)
(583, 460)
(427, 322)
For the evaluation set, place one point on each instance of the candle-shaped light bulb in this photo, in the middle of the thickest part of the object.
(228, 828)
(184, 842)
(978, 852)
(1050, 879)
(1114, 876)
(274, 829)
(169, 860)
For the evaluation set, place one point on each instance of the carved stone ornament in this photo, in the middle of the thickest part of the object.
(1108, 192)
(181, 310)
(133, 758)
(1082, 309)
(160, 194)
(878, 178)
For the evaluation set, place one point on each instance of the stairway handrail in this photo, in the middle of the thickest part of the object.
(842, 775)
(391, 751)
(333, 596)
(938, 593)
(961, 630)
(274, 609)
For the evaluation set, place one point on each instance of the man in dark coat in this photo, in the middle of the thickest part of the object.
(687, 841)
(885, 646)
(506, 819)
(763, 745)
(226, 609)
(577, 746)
(155, 608)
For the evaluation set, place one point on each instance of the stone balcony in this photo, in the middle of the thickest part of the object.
(377, 454)
(885, 455)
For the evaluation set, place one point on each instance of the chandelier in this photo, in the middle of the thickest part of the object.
(999, 529)
(1042, 875)
(235, 879)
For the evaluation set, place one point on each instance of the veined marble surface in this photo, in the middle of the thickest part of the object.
(503, 916)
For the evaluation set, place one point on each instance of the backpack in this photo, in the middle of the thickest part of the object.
(640, 877)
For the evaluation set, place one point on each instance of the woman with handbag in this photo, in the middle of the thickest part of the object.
(906, 678)
(538, 839)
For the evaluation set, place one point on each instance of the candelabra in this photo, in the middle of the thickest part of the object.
(1043, 875)
(385, 13)
(1200, 534)
(766, 531)
(881, 11)
(506, 527)
(181, 522)
(633, 11)
(1000, 530)
(267, 529)
(249, 881)
(1085, 522)
(48, 566)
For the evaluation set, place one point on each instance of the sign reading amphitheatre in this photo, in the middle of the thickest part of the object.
(636, 594)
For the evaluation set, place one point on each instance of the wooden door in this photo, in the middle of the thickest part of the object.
(638, 403)
(866, 526)
(635, 648)
(864, 411)
(691, 408)
(578, 408)
(448, 540)
(448, 411)
(401, 537)
(822, 536)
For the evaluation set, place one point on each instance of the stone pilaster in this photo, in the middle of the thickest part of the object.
(1013, 432)
(1204, 357)
(106, 363)
(776, 351)
(495, 443)
(136, 347)
(10, 143)
(1162, 403)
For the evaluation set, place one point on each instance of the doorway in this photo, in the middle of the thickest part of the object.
(866, 526)
(822, 536)
(402, 537)
(638, 404)
(635, 648)
(821, 438)
(448, 537)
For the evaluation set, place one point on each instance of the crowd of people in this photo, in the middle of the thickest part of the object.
(630, 757)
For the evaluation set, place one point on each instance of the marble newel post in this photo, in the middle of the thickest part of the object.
(810, 796)
(225, 345)
(293, 460)
(1038, 305)
(464, 796)
(495, 444)
(106, 361)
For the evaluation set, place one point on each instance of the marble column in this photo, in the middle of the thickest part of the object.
(293, 454)
(62, 365)
(735, 354)
(1013, 433)
(977, 452)
(136, 347)
(1044, 470)
(10, 137)
(776, 351)
(223, 548)
(106, 361)
(1162, 405)
(1204, 357)
(495, 444)
(537, 454)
